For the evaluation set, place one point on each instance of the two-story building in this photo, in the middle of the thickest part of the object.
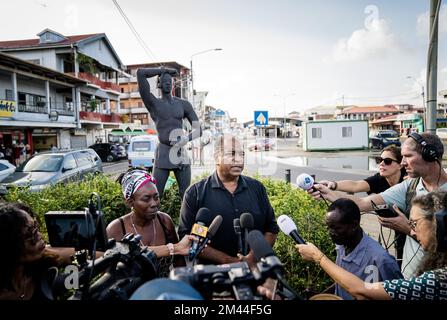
(367, 113)
(89, 57)
(38, 105)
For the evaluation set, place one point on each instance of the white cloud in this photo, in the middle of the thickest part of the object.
(423, 22)
(374, 41)
(442, 79)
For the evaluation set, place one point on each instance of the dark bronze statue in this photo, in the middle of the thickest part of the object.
(168, 114)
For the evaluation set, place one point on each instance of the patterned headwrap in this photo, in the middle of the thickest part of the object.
(134, 180)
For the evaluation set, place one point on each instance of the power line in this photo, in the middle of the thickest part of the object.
(136, 34)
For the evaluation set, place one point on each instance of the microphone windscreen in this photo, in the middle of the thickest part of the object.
(247, 221)
(286, 224)
(204, 215)
(259, 245)
(305, 181)
(214, 226)
(237, 224)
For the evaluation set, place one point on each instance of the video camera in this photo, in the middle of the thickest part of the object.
(237, 280)
(123, 268)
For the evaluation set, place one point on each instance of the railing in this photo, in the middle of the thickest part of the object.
(99, 117)
(32, 108)
(96, 81)
(63, 109)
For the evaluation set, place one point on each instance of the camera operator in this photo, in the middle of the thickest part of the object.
(25, 258)
(428, 225)
(156, 228)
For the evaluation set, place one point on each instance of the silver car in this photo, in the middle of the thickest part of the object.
(46, 169)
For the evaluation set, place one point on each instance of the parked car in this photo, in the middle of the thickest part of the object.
(110, 151)
(45, 169)
(441, 133)
(262, 144)
(6, 168)
(385, 138)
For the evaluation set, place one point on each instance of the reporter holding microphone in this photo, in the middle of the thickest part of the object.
(428, 219)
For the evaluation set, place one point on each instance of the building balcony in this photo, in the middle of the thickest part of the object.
(41, 108)
(62, 109)
(99, 117)
(96, 81)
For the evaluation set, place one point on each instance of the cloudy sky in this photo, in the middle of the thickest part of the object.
(295, 53)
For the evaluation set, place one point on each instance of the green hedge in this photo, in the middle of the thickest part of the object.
(307, 214)
(73, 196)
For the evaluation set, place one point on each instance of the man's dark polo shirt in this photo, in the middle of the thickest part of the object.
(250, 196)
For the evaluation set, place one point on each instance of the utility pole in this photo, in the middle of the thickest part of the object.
(432, 67)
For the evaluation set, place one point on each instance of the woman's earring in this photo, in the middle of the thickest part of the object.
(132, 210)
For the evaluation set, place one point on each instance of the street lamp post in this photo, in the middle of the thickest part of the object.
(284, 97)
(192, 73)
(423, 98)
(201, 112)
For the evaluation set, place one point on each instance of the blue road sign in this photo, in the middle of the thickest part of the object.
(261, 118)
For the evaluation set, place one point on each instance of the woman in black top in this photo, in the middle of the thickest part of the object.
(25, 257)
(390, 173)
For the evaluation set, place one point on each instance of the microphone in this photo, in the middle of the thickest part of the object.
(306, 182)
(238, 231)
(268, 264)
(247, 224)
(289, 228)
(214, 226)
(199, 230)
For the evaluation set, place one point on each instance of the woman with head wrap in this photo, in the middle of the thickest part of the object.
(156, 228)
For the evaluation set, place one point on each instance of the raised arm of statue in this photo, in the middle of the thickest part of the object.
(145, 90)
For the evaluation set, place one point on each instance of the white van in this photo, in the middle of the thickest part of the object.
(141, 151)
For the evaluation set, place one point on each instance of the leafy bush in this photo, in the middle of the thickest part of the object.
(171, 203)
(308, 215)
(73, 196)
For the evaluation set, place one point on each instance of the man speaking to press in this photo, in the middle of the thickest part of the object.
(230, 194)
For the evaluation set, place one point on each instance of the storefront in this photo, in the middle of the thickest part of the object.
(44, 139)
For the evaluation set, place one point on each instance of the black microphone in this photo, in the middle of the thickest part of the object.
(247, 224)
(238, 231)
(289, 228)
(214, 226)
(199, 230)
(268, 264)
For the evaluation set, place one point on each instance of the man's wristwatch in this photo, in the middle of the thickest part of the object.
(334, 187)
(170, 248)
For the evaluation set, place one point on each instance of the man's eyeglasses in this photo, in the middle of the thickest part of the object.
(387, 161)
(413, 223)
(32, 233)
(233, 154)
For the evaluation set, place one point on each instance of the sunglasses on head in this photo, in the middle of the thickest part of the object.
(387, 161)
